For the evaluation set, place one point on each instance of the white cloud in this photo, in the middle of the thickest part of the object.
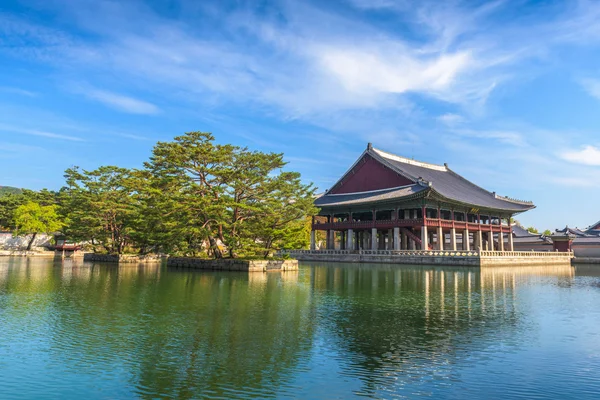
(51, 135)
(592, 86)
(121, 102)
(451, 119)
(390, 71)
(589, 155)
(19, 91)
(513, 138)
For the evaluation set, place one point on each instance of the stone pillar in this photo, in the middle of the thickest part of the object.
(453, 239)
(403, 241)
(501, 241)
(328, 239)
(350, 241)
(343, 240)
(511, 246)
(491, 241)
(332, 240)
(424, 238)
(479, 245)
(312, 240)
(466, 240)
(373, 238)
(441, 238)
(398, 245)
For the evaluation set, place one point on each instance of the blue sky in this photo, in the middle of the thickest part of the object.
(506, 92)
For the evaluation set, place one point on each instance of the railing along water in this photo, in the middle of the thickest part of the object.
(435, 253)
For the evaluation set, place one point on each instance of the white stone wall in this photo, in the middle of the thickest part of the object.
(586, 251)
(10, 242)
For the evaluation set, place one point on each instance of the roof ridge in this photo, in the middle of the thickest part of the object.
(375, 154)
(511, 200)
(398, 158)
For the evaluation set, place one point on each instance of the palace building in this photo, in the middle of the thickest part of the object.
(388, 202)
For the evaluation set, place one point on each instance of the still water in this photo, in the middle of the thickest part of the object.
(73, 330)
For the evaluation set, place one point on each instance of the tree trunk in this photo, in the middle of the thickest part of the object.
(31, 241)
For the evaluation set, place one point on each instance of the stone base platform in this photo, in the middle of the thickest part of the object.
(586, 260)
(233, 264)
(433, 257)
(122, 259)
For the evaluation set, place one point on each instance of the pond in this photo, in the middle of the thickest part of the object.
(71, 329)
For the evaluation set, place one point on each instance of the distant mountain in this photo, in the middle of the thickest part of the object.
(9, 189)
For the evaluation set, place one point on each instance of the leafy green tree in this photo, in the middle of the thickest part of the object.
(33, 218)
(8, 204)
(531, 229)
(215, 197)
(547, 232)
(101, 207)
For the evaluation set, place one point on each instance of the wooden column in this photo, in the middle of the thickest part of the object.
(397, 244)
(312, 240)
(511, 246)
(491, 238)
(441, 237)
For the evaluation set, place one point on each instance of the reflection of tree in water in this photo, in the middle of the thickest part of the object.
(187, 334)
(401, 326)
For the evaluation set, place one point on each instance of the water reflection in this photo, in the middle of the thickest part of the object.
(175, 334)
(402, 327)
(326, 331)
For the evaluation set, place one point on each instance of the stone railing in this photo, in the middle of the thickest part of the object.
(401, 253)
(484, 253)
(434, 253)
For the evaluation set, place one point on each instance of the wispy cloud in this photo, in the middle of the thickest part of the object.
(451, 119)
(41, 133)
(512, 138)
(19, 91)
(122, 103)
(588, 155)
(591, 86)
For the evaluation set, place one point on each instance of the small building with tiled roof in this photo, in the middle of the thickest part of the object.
(523, 240)
(385, 201)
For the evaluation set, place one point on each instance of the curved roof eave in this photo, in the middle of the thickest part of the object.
(511, 210)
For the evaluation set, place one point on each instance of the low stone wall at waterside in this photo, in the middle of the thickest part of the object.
(434, 257)
(586, 260)
(122, 259)
(466, 260)
(233, 264)
(25, 253)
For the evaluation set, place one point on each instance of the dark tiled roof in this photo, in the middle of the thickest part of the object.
(587, 240)
(368, 197)
(573, 231)
(449, 184)
(531, 239)
(519, 231)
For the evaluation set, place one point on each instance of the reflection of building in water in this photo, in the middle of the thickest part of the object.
(402, 323)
